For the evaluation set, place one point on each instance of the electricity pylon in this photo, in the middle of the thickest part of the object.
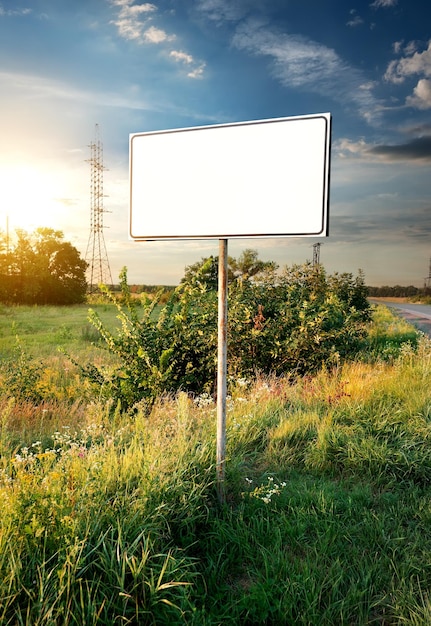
(316, 254)
(96, 256)
(427, 279)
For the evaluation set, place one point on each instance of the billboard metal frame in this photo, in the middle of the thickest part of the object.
(257, 179)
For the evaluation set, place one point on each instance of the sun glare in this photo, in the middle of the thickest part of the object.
(28, 198)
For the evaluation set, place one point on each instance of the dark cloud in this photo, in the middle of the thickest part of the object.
(357, 229)
(418, 130)
(418, 149)
(398, 227)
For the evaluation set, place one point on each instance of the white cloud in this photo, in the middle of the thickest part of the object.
(187, 59)
(377, 4)
(297, 61)
(355, 21)
(413, 63)
(180, 56)
(197, 72)
(137, 9)
(128, 23)
(345, 147)
(132, 23)
(222, 10)
(421, 98)
(391, 74)
(14, 12)
(397, 46)
(128, 8)
(157, 35)
(410, 48)
(368, 85)
(128, 29)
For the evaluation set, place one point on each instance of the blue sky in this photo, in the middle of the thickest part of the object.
(139, 66)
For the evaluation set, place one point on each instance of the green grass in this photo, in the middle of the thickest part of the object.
(41, 329)
(107, 518)
(388, 333)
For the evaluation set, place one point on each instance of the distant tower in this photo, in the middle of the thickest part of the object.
(427, 284)
(316, 254)
(96, 256)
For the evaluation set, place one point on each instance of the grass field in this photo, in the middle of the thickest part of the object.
(43, 329)
(113, 519)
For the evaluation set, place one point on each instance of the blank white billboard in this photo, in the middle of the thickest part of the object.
(266, 178)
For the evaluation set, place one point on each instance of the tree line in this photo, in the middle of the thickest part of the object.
(397, 291)
(41, 268)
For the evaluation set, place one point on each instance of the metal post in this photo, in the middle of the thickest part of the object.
(221, 368)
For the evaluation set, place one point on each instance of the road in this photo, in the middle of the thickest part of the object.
(418, 315)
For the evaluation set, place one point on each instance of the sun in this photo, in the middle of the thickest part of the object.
(28, 198)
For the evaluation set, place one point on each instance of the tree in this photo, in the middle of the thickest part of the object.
(42, 268)
(203, 272)
(248, 266)
(68, 275)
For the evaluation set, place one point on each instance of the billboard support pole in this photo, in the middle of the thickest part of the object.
(221, 368)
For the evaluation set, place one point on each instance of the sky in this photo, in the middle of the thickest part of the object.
(73, 72)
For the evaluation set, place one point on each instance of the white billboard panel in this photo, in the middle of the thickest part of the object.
(266, 178)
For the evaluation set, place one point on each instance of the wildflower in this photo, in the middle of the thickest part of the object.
(242, 382)
(267, 491)
(203, 400)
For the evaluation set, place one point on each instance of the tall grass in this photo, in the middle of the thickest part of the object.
(109, 518)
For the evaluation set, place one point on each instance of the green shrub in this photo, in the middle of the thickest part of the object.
(276, 324)
(21, 376)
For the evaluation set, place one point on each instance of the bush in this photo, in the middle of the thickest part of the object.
(277, 324)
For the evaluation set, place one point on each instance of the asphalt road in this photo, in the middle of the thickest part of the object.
(419, 315)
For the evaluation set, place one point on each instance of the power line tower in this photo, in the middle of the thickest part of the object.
(427, 283)
(316, 254)
(96, 256)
